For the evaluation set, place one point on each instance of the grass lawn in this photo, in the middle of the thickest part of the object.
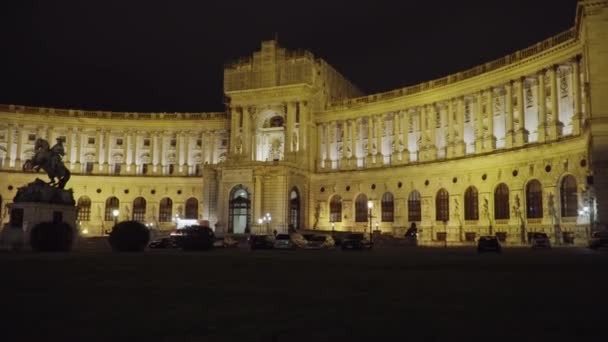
(385, 295)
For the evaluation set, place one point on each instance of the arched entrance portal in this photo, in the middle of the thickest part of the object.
(239, 214)
(294, 208)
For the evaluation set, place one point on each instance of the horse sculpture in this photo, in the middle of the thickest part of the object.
(49, 160)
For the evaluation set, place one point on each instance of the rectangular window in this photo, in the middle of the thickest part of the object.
(146, 142)
(199, 142)
(89, 168)
(31, 137)
(116, 169)
(119, 142)
(2, 137)
(224, 142)
(197, 169)
(144, 169)
(91, 141)
(173, 142)
(171, 169)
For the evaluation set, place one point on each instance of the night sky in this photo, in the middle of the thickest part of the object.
(158, 56)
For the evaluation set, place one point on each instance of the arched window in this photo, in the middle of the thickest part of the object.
(471, 204)
(388, 207)
(139, 209)
(442, 205)
(165, 210)
(569, 197)
(191, 208)
(501, 202)
(84, 208)
(414, 211)
(361, 208)
(335, 209)
(111, 204)
(534, 200)
(294, 208)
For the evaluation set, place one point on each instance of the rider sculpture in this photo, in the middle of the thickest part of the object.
(49, 159)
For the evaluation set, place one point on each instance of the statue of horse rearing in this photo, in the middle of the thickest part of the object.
(49, 159)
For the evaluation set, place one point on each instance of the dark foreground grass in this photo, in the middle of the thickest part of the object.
(382, 295)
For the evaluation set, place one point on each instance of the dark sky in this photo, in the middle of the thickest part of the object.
(168, 55)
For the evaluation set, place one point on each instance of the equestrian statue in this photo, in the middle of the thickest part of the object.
(49, 160)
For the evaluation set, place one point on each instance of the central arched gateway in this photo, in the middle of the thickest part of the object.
(239, 214)
(294, 208)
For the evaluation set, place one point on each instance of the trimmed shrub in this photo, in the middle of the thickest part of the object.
(129, 236)
(196, 238)
(52, 237)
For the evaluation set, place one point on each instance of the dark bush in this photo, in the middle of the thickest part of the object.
(129, 236)
(196, 238)
(52, 237)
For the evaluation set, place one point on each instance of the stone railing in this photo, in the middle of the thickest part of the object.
(566, 36)
(110, 115)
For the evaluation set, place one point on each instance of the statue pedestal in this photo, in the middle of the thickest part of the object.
(25, 215)
(35, 203)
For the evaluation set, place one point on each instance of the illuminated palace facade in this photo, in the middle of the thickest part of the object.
(513, 146)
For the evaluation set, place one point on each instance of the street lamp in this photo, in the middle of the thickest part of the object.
(370, 206)
(333, 226)
(115, 213)
(266, 218)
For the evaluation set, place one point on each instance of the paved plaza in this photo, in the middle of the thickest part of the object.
(419, 293)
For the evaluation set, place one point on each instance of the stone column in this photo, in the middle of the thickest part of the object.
(186, 160)
(460, 147)
(344, 161)
(19, 155)
(490, 139)
(379, 135)
(509, 114)
(424, 137)
(395, 144)
(131, 152)
(68, 148)
(450, 136)
(98, 155)
(542, 108)
(521, 136)
(9, 146)
(212, 141)
(353, 142)
(433, 111)
(234, 121)
(405, 129)
(555, 127)
(204, 144)
(370, 141)
(78, 160)
(479, 124)
(108, 151)
(328, 127)
(320, 137)
(154, 156)
(125, 152)
(248, 143)
(576, 93)
(291, 113)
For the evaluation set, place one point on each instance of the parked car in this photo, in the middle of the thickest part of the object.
(282, 241)
(599, 239)
(540, 240)
(261, 241)
(163, 243)
(488, 243)
(320, 242)
(298, 240)
(195, 238)
(356, 241)
(226, 242)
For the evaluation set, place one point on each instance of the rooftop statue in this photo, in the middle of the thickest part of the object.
(49, 160)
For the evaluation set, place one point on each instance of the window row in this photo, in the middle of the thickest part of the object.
(165, 209)
(502, 208)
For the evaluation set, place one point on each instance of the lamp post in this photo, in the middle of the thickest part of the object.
(266, 218)
(370, 206)
(115, 213)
